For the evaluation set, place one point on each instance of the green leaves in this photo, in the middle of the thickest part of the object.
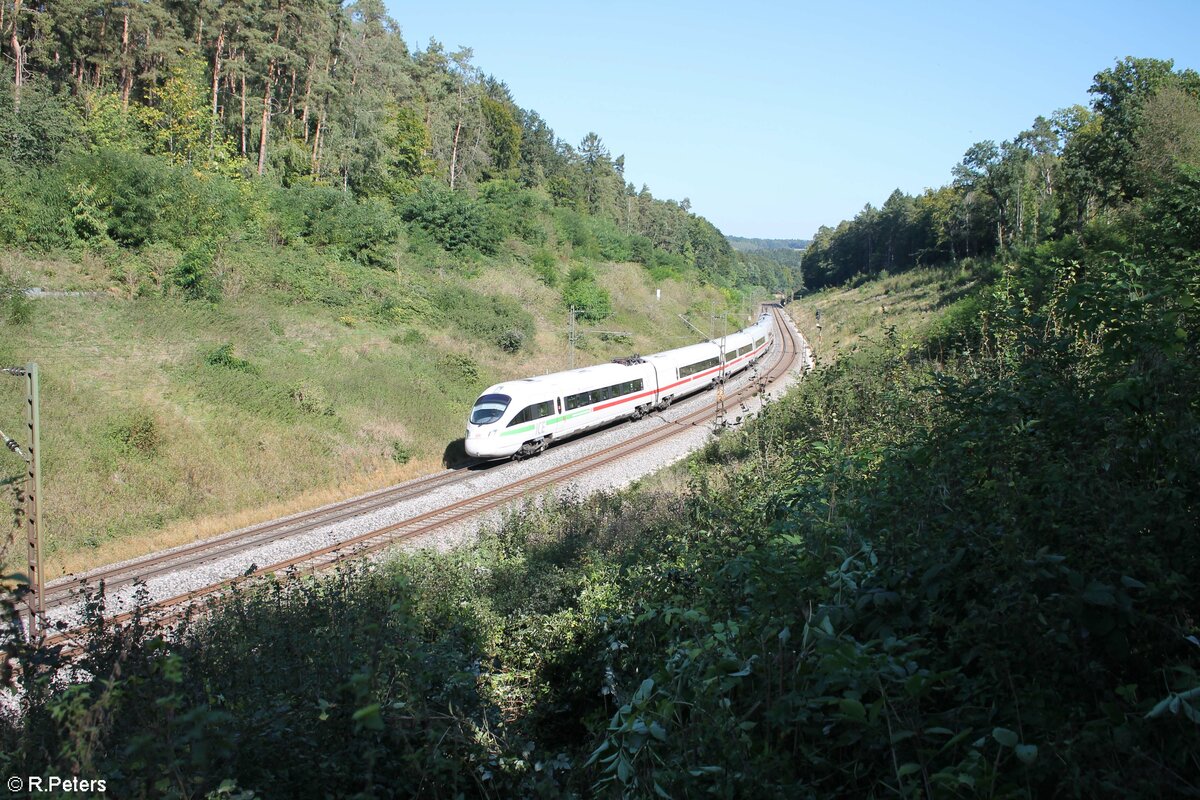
(1005, 737)
(369, 717)
(1178, 704)
(452, 219)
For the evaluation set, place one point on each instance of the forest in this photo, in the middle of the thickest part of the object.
(133, 124)
(1047, 184)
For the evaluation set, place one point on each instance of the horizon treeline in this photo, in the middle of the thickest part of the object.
(315, 92)
(1046, 184)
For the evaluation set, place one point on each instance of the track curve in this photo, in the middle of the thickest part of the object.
(61, 593)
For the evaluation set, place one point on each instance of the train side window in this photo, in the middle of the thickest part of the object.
(699, 366)
(535, 411)
(759, 343)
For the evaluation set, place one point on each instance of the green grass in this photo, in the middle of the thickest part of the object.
(311, 395)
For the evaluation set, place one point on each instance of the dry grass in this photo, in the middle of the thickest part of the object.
(184, 532)
(907, 302)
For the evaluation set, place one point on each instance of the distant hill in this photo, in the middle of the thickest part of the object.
(745, 245)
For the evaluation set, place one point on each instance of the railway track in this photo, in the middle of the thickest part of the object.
(199, 553)
(191, 556)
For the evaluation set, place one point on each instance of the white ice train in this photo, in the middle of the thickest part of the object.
(521, 418)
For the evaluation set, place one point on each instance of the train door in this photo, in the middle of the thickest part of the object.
(543, 412)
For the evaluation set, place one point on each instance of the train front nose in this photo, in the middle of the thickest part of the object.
(474, 441)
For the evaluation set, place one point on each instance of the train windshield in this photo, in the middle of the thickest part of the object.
(489, 408)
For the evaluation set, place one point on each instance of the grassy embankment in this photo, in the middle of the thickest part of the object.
(152, 435)
(909, 303)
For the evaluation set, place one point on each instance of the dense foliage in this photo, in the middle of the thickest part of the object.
(297, 92)
(1066, 172)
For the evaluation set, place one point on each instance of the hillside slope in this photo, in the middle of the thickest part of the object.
(164, 419)
(297, 303)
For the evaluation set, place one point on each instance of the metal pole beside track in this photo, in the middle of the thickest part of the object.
(33, 489)
(33, 496)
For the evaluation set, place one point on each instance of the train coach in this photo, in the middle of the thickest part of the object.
(521, 418)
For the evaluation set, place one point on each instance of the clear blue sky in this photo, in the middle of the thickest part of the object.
(776, 118)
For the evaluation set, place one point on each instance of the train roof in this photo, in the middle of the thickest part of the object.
(692, 352)
(615, 373)
(556, 381)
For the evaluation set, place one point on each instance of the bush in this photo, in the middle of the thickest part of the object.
(452, 219)
(573, 227)
(545, 265)
(35, 209)
(192, 277)
(401, 453)
(142, 199)
(496, 319)
(515, 210)
(362, 231)
(137, 433)
(15, 307)
(586, 296)
(224, 358)
(46, 128)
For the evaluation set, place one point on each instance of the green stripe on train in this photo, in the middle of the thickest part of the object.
(551, 421)
(522, 429)
(565, 417)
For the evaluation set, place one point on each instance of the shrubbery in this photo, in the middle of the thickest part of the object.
(329, 219)
(517, 212)
(950, 576)
(583, 294)
(452, 219)
(495, 319)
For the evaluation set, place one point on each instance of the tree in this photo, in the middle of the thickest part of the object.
(274, 54)
(504, 138)
(1121, 93)
(599, 176)
(408, 143)
(18, 55)
(1167, 137)
(178, 118)
(979, 174)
